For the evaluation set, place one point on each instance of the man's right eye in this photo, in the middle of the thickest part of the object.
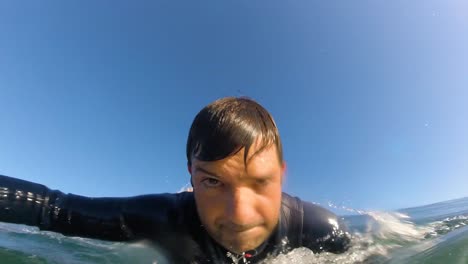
(211, 182)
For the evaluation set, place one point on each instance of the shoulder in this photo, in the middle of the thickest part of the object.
(318, 219)
(164, 202)
(322, 230)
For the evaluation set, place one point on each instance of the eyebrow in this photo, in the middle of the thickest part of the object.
(263, 177)
(198, 168)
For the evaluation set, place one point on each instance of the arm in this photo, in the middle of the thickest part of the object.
(117, 219)
(323, 231)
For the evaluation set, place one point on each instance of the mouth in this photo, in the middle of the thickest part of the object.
(240, 238)
(241, 233)
(233, 228)
(238, 230)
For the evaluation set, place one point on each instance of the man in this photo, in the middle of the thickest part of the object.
(236, 213)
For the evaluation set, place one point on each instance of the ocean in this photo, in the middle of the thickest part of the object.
(435, 233)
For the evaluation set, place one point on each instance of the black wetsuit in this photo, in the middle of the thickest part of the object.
(168, 220)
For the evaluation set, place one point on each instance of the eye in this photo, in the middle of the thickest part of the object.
(262, 182)
(211, 182)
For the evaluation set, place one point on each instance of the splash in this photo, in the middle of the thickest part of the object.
(397, 226)
(383, 233)
(447, 225)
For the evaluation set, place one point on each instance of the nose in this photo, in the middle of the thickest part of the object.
(240, 208)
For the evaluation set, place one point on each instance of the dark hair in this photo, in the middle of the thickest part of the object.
(227, 125)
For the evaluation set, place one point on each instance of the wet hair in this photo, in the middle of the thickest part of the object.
(227, 125)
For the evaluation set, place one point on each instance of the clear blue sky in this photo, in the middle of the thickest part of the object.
(371, 97)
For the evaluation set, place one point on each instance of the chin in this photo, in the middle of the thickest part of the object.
(243, 244)
(238, 249)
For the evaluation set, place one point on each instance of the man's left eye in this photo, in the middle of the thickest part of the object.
(261, 182)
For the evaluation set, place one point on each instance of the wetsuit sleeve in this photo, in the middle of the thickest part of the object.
(117, 219)
(323, 230)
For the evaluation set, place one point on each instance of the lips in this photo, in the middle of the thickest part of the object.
(234, 228)
(238, 230)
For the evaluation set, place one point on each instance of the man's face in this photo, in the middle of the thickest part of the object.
(238, 206)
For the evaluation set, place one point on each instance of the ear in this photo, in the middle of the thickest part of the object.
(189, 168)
(283, 171)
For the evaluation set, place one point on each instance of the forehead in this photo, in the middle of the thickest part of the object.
(258, 162)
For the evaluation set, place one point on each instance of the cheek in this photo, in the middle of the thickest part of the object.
(269, 204)
(208, 208)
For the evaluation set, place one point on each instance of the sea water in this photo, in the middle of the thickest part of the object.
(436, 233)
